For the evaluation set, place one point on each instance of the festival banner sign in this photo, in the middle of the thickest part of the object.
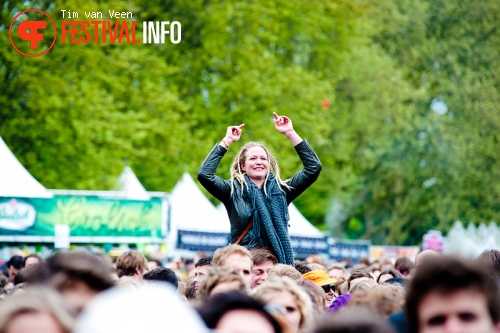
(86, 216)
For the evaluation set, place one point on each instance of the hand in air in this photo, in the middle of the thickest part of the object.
(282, 124)
(233, 133)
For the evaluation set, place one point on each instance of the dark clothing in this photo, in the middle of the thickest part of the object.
(239, 206)
(399, 322)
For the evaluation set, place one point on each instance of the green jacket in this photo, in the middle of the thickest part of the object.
(239, 208)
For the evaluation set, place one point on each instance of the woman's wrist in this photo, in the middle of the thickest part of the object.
(293, 137)
(225, 142)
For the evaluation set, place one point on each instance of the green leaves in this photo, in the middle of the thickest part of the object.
(392, 166)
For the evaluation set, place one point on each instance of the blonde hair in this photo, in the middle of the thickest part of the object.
(37, 300)
(384, 299)
(239, 175)
(281, 270)
(271, 287)
(221, 254)
(216, 276)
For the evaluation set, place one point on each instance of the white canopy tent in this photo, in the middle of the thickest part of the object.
(131, 186)
(15, 180)
(195, 219)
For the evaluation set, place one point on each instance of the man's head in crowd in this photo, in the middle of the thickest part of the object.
(131, 263)
(237, 256)
(37, 309)
(357, 275)
(162, 274)
(14, 265)
(153, 263)
(404, 266)
(451, 294)
(221, 280)
(79, 276)
(235, 311)
(32, 259)
(263, 261)
(200, 271)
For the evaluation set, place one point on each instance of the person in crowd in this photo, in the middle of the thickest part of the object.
(316, 293)
(256, 199)
(263, 261)
(362, 284)
(131, 263)
(301, 266)
(14, 265)
(337, 270)
(315, 266)
(383, 299)
(291, 300)
(353, 320)
(452, 294)
(339, 302)
(153, 263)
(386, 264)
(236, 256)
(79, 276)
(5, 285)
(129, 282)
(490, 260)
(404, 266)
(200, 271)
(280, 270)
(236, 312)
(374, 270)
(162, 274)
(32, 259)
(341, 285)
(322, 279)
(315, 259)
(221, 280)
(388, 274)
(356, 275)
(28, 274)
(38, 309)
(189, 265)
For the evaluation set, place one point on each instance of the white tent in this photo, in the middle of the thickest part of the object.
(131, 186)
(194, 217)
(15, 180)
(299, 225)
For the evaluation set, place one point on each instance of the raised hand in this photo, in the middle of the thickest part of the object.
(283, 124)
(233, 134)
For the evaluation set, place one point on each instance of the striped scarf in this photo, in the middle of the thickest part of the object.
(270, 219)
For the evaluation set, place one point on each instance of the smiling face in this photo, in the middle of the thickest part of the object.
(256, 164)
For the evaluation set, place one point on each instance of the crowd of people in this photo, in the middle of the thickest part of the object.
(237, 290)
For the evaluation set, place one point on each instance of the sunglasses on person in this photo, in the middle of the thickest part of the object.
(328, 287)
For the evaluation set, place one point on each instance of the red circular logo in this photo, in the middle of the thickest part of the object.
(29, 31)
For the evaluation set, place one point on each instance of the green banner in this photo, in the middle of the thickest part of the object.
(85, 215)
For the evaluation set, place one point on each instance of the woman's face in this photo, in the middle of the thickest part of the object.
(256, 163)
(288, 302)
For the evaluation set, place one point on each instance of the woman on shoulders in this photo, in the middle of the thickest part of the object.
(256, 199)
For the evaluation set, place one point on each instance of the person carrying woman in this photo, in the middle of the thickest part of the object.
(255, 197)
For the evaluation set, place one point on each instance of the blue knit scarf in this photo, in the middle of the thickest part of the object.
(270, 219)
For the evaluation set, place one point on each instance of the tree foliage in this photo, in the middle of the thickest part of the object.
(408, 142)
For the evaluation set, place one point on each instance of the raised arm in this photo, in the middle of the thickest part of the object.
(284, 125)
(218, 187)
(310, 161)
